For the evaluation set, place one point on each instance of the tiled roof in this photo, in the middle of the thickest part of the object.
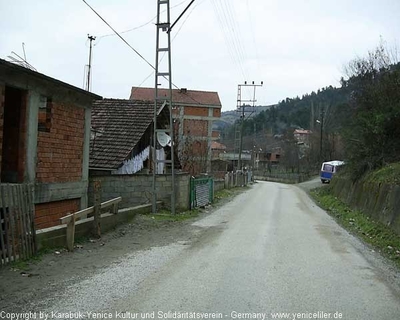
(302, 131)
(217, 146)
(117, 126)
(180, 96)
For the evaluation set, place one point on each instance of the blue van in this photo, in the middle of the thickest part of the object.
(328, 169)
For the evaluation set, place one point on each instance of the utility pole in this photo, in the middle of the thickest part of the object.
(254, 145)
(322, 128)
(312, 118)
(91, 38)
(241, 108)
(164, 45)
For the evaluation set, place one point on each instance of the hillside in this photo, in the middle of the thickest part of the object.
(228, 118)
(304, 112)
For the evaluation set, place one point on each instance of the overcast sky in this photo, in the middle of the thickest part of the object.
(294, 46)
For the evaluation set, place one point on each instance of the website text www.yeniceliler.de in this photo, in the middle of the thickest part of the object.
(40, 315)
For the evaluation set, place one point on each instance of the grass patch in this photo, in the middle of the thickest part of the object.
(24, 264)
(165, 215)
(224, 193)
(389, 174)
(227, 193)
(372, 232)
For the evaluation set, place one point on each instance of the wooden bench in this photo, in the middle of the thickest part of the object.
(72, 218)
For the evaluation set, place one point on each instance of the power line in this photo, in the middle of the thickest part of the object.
(228, 26)
(230, 34)
(180, 28)
(252, 33)
(119, 35)
(140, 26)
(227, 43)
(135, 49)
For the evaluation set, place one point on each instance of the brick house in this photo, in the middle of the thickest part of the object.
(193, 113)
(44, 140)
(121, 151)
(302, 136)
(219, 167)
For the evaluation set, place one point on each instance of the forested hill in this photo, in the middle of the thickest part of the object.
(228, 118)
(298, 113)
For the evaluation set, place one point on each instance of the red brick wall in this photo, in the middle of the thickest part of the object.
(196, 111)
(60, 151)
(48, 214)
(2, 92)
(199, 149)
(197, 128)
(217, 113)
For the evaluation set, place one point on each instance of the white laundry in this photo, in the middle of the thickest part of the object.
(160, 154)
(135, 164)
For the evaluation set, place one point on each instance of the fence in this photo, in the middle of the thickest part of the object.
(238, 179)
(17, 228)
(201, 191)
(71, 218)
(287, 177)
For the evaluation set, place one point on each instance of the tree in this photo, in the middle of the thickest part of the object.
(371, 137)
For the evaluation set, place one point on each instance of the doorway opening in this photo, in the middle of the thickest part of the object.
(14, 128)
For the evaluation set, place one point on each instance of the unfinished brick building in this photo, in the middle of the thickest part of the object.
(194, 113)
(44, 140)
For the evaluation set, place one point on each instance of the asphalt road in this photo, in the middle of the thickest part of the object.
(270, 250)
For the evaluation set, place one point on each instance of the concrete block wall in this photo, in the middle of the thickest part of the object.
(219, 184)
(136, 189)
(378, 200)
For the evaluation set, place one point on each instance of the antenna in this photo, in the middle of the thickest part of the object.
(20, 61)
(23, 49)
(91, 38)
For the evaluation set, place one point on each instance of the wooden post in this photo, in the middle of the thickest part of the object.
(32, 216)
(3, 220)
(12, 218)
(97, 207)
(115, 208)
(71, 234)
(17, 199)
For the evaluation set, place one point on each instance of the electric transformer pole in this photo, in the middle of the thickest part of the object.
(241, 108)
(164, 45)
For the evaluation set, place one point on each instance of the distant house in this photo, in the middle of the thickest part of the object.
(233, 159)
(302, 136)
(194, 113)
(217, 149)
(121, 136)
(218, 166)
(264, 160)
(44, 140)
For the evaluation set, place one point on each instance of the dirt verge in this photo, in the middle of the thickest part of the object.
(26, 283)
